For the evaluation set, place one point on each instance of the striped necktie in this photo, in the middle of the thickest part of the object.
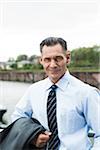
(52, 120)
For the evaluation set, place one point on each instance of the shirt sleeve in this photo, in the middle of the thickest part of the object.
(92, 114)
(23, 107)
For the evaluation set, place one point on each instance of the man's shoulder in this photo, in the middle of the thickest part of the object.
(39, 84)
(84, 87)
(79, 83)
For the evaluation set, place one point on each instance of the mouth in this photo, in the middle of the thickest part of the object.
(54, 71)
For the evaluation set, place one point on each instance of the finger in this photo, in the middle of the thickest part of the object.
(47, 133)
(42, 144)
(44, 137)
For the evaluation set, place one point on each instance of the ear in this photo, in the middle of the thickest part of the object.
(40, 60)
(68, 57)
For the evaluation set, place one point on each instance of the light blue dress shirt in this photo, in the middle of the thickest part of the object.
(78, 111)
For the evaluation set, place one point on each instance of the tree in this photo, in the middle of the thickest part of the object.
(32, 58)
(13, 66)
(86, 57)
(22, 57)
(11, 59)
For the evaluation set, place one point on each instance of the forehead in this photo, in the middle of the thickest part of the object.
(52, 50)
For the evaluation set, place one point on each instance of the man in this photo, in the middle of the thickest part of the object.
(77, 104)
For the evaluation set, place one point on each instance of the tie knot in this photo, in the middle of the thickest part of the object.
(54, 87)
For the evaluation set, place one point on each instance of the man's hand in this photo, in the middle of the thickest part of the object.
(42, 139)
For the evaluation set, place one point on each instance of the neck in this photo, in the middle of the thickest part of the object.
(54, 82)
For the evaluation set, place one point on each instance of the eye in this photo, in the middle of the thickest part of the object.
(47, 60)
(58, 58)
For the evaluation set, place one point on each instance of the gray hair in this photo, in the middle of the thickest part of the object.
(51, 41)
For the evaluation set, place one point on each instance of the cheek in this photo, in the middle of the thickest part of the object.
(45, 66)
(63, 64)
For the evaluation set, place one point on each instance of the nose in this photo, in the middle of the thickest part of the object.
(53, 63)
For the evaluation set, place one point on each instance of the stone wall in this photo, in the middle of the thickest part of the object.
(92, 78)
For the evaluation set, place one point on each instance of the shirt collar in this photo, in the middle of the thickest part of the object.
(62, 83)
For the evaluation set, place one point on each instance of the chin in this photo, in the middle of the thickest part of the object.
(55, 79)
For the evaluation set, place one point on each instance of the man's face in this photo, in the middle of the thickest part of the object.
(54, 60)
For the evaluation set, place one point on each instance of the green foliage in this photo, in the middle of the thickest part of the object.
(32, 67)
(27, 66)
(32, 58)
(13, 66)
(22, 57)
(86, 57)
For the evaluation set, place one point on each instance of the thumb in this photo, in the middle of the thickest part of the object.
(47, 133)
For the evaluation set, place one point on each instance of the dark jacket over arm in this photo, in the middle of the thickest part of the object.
(18, 135)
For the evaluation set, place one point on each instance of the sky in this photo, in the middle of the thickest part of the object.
(25, 23)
